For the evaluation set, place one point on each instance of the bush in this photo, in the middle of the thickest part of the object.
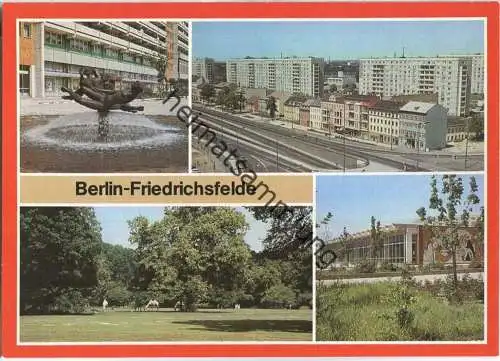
(389, 267)
(476, 264)
(71, 301)
(366, 267)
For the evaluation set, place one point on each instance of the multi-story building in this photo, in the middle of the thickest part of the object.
(448, 76)
(293, 75)
(291, 108)
(412, 244)
(280, 99)
(26, 58)
(383, 122)
(477, 79)
(423, 126)
(458, 129)
(356, 114)
(128, 51)
(315, 117)
(204, 68)
(342, 79)
(209, 70)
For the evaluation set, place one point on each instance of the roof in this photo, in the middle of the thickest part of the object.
(260, 92)
(294, 99)
(281, 95)
(454, 121)
(387, 105)
(417, 107)
(312, 102)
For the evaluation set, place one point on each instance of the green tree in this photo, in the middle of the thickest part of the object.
(207, 92)
(191, 253)
(59, 258)
(376, 239)
(345, 245)
(333, 88)
(289, 238)
(161, 66)
(271, 106)
(120, 262)
(279, 296)
(449, 210)
(476, 126)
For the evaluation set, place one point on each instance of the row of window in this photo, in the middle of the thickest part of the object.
(74, 69)
(84, 46)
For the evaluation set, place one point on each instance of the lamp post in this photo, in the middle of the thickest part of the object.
(277, 158)
(343, 141)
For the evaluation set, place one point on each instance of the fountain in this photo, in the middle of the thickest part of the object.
(114, 138)
(97, 92)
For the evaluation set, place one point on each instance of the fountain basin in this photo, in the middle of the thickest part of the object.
(135, 143)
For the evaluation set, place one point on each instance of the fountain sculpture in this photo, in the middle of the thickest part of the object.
(98, 92)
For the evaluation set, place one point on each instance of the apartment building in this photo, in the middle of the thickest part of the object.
(314, 109)
(209, 70)
(407, 244)
(52, 52)
(383, 122)
(333, 113)
(423, 126)
(458, 129)
(356, 121)
(478, 74)
(448, 76)
(292, 107)
(342, 79)
(293, 75)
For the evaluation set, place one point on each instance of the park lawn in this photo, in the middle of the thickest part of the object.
(204, 325)
(362, 313)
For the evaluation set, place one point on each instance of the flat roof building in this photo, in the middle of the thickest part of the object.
(52, 52)
(293, 75)
(449, 77)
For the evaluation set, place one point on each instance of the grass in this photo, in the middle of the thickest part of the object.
(204, 325)
(362, 313)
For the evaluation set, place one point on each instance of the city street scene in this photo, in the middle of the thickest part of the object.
(350, 96)
(409, 262)
(91, 96)
(165, 274)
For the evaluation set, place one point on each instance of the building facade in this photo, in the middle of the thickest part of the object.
(209, 70)
(423, 126)
(129, 51)
(412, 244)
(356, 119)
(458, 129)
(293, 75)
(383, 122)
(477, 81)
(449, 77)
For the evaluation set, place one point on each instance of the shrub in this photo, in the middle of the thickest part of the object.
(476, 264)
(366, 267)
(389, 267)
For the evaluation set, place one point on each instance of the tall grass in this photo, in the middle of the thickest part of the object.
(361, 313)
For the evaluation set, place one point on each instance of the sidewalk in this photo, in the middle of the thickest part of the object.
(58, 106)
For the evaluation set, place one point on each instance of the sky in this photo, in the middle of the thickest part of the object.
(115, 228)
(390, 199)
(336, 39)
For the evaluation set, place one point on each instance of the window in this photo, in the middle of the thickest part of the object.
(414, 248)
(27, 30)
(54, 39)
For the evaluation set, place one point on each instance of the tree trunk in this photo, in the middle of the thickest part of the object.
(454, 266)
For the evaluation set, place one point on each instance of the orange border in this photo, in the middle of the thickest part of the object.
(13, 11)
